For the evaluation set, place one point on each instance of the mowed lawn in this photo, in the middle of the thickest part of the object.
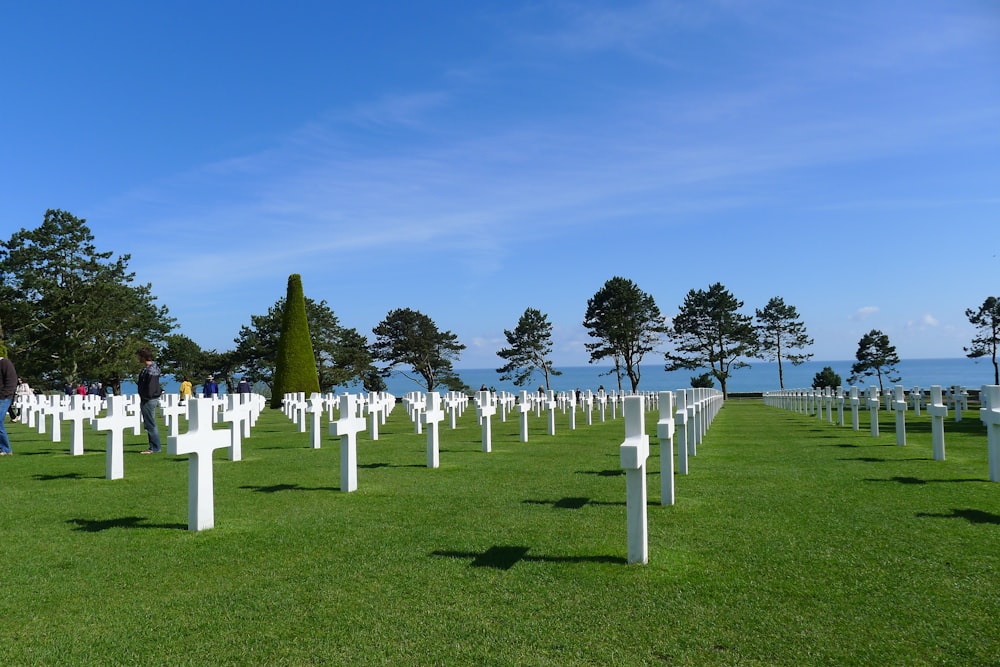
(793, 542)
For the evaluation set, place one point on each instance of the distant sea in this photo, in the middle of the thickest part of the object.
(760, 376)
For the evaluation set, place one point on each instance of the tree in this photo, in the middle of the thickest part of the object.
(710, 332)
(987, 322)
(530, 343)
(295, 363)
(408, 337)
(182, 357)
(875, 356)
(703, 381)
(826, 378)
(626, 324)
(342, 354)
(69, 312)
(779, 331)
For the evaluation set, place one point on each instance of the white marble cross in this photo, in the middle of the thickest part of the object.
(484, 411)
(665, 433)
(524, 407)
(347, 428)
(681, 431)
(551, 404)
(855, 402)
(899, 405)
(115, 422)
(200, 441)
(873, 408)
(990, 416)
(77, 413)
(432, 416)
(314, 408)
(937, 409)
(172, 408)
(634, 451)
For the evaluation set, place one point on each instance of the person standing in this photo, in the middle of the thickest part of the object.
(244, 386)
(22, 395)
(210, 389)
(149, 397)
(185, 390)
(8, 386)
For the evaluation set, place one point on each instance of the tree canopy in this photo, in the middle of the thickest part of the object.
(530, 344)
(875, 356)
(625, 323)
(295, 363)
(986, 320)
(69, 312)
(826, 378)
(710, 332)
(342, 354)
(407, 337)
(779, 331)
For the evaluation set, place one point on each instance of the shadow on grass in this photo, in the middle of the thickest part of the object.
(917, 480)
(505, 557)
(69, 475)
(579, 503)
(372, 466)
(602, 473)
(277, 488)
(98, 525)
(970, 515)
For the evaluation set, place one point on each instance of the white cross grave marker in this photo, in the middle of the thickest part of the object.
(990, 416)
(200, 441)
(938, 411)
(899, 405)
(634, 451)
(115, 422)
(348, 427)
(432, 416)
(873, 407)
(665, 433)
(484, 411)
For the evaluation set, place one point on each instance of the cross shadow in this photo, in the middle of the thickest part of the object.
(276, 488)
(601, 473)
(69, 475)
(866, 459)
(505, 557)
(372, 466)
(578, 503)
(900, 480)
(970, 515)
(98, 525)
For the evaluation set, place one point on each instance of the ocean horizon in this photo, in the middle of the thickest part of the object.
(759, 377)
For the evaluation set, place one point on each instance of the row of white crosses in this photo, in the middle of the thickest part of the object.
(896, 401)
(695, 411)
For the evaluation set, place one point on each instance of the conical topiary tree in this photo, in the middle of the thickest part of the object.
(295, 365)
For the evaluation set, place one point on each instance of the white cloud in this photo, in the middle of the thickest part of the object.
(864, 312)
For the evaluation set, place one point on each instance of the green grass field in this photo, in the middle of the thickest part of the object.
(793, 542)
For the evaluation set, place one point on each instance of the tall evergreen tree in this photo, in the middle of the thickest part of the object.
(72, 313)
(295, 363)
(530, 344)
(780, 331)
(710, 332)
(410, 338)
(626, 323)
(986, 319)
(875, 356)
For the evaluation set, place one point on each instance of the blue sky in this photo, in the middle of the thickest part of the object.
(473, 159)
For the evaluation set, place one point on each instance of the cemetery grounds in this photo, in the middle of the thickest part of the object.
(792, 542)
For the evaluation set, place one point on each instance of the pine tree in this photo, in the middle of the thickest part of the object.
(295, 365)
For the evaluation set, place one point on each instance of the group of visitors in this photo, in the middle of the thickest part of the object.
(14, 391)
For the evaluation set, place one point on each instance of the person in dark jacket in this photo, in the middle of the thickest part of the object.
(8, 386)
(148, 385)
